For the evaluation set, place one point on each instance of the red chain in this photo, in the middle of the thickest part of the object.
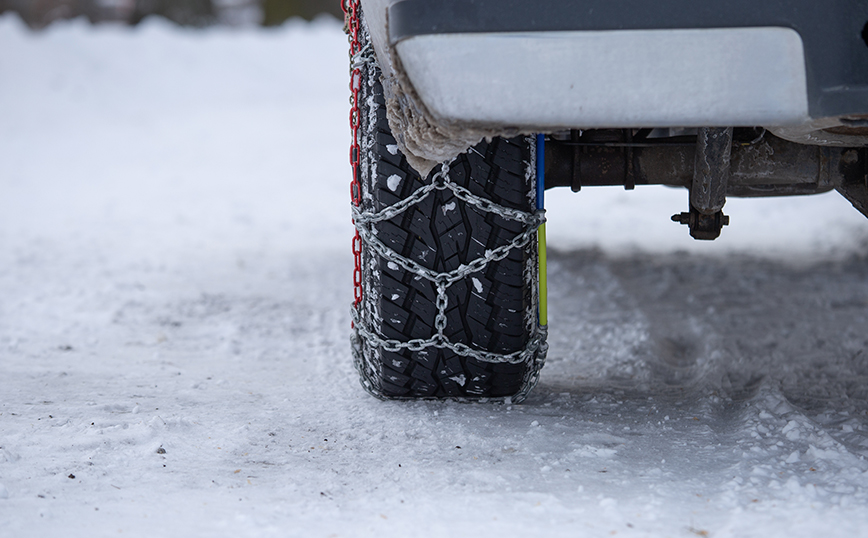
(351, 17)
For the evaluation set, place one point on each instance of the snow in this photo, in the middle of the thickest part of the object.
(174, 325)
(393, 181)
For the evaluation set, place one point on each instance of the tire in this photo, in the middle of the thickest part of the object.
(495, 346)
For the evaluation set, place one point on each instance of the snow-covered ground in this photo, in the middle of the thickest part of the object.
(174, 358)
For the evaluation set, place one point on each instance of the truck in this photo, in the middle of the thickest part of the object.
(463, 112)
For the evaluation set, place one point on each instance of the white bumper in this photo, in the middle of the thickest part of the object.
(609, 79)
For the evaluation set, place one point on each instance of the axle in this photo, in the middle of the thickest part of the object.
(712, 164)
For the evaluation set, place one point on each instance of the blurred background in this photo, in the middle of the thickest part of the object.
(40, 13)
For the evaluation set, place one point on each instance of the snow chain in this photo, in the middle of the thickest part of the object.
(366, 342)
(351, 15)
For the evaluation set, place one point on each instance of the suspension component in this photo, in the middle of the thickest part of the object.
(711, 169)
(855, 187)
(702, 226)
(708, 188)
(712, 164)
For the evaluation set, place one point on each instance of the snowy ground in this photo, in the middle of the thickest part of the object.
(174, 357)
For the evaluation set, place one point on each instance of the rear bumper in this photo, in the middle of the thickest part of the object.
(598, 63)
(624, 78)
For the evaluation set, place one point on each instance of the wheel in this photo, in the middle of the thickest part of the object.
(449, 268)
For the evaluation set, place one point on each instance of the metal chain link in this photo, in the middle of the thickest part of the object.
(520, 241)
(440, 181)
(365, 55)
(351, 16)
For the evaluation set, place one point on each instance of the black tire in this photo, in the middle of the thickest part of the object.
(491, 310)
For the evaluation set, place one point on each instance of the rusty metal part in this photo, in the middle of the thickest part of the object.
(711, 169)
(848, 131)
(703, 227)
(855, 185)
(770, 166)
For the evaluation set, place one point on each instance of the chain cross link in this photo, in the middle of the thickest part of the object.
(364, 222)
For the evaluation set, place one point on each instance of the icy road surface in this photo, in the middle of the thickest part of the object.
(174, 360)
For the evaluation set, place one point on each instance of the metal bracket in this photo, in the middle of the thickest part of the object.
(855, 185)
(702, 227)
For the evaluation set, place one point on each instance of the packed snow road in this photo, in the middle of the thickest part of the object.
(174, 325)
